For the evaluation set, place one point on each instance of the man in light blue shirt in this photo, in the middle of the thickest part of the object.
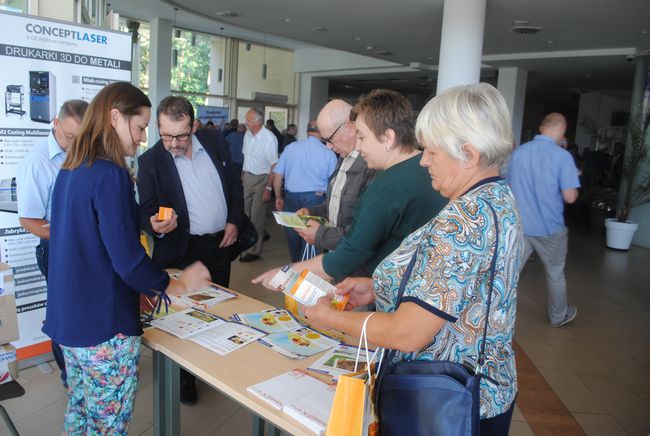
(35, 181)
(543, 177)
(305, 168)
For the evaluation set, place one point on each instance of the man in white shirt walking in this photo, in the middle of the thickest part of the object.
(260, 154)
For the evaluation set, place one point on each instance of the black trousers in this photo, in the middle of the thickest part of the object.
(206, 249)
(42, 259)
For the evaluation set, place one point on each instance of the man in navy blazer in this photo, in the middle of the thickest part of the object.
(191, 172)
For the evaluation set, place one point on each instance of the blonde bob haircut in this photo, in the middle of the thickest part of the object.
(469, 114)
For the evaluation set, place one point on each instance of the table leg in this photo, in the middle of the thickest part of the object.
(166, 412)
(262, 427)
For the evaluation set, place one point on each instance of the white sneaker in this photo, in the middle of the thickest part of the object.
(571, 312)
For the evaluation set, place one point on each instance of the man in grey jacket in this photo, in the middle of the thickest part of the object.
(347, 182)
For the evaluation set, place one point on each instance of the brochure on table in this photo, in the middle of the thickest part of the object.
(204, 298)
(226, 337)
(298, 344)
(340, 360)
(301, 396)
(44, 63)
(269, 321)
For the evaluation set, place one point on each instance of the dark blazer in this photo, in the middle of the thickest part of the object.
(160, 185)
(357, 178)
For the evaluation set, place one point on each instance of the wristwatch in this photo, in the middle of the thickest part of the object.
(268, 188)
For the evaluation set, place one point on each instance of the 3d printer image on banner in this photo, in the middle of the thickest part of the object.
(44, 63)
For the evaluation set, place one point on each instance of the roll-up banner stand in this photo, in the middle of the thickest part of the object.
(44, 63)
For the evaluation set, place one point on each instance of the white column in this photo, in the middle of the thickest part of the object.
(231, 61)
(512, 85)
(313, 96)
(461, 43)
(217, 55)
(63, 10)
(160, 67)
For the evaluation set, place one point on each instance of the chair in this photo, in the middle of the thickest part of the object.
(8, 391)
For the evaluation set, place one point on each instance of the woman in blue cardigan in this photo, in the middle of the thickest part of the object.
(98, 268)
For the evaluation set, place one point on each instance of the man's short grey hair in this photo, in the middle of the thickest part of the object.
(470, 114)
(259, 116)
(72, 108)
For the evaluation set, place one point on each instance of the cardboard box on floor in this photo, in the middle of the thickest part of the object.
(8, 317)
(8, 364)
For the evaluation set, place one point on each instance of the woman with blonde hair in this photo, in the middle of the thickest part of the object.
(454, 262)
(97, 267)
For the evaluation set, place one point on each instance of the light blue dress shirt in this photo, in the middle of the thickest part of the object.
(306, 165)
(206, 203)
(539, 171)
(36, 176)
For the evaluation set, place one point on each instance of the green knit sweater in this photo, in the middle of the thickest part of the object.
(397, 202)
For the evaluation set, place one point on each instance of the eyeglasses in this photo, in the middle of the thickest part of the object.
(180, 138)
(326, 140)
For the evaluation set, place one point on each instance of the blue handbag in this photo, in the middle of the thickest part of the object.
(431, 398)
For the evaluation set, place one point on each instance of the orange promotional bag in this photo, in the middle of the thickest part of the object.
(353, 410)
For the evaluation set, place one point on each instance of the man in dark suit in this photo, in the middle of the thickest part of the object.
(191, 172)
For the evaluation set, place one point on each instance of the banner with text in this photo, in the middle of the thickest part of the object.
(44, 63)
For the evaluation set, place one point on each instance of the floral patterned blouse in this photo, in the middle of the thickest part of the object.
(451, 279)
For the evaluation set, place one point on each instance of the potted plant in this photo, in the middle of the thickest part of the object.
(635, 185)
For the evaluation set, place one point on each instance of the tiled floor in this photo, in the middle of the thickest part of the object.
(598, 366)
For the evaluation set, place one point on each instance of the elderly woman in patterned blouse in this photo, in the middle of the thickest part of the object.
(467, 135)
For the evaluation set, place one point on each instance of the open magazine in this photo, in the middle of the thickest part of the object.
(291, 219)
(204, 298)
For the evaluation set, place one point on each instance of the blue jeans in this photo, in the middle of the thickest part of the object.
(42, 258)
(292, 202)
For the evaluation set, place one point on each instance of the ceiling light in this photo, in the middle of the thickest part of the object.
(369, 48)
(227, 14)
(287, 20)
(643, 32)
(550, 41)
(320, 29)
(358, 38)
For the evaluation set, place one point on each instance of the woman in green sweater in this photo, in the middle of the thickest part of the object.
(397, 202)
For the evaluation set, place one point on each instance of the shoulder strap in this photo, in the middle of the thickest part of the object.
(409, 269)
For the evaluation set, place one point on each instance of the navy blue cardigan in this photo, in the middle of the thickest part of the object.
(97, 266)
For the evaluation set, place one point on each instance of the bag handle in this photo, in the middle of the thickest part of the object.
(409, 269)
(364, 339)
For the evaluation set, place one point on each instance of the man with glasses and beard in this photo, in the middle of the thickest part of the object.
(34, 184)
(191, 172)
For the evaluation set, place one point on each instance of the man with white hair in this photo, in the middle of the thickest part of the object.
(260, 154)
(346, 183)
(543, 177)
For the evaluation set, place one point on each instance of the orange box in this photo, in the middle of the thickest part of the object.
(164, 213)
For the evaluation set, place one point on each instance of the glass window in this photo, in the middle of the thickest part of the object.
(276, 78)
(142, 53)
(14, 5)
(198, 67)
